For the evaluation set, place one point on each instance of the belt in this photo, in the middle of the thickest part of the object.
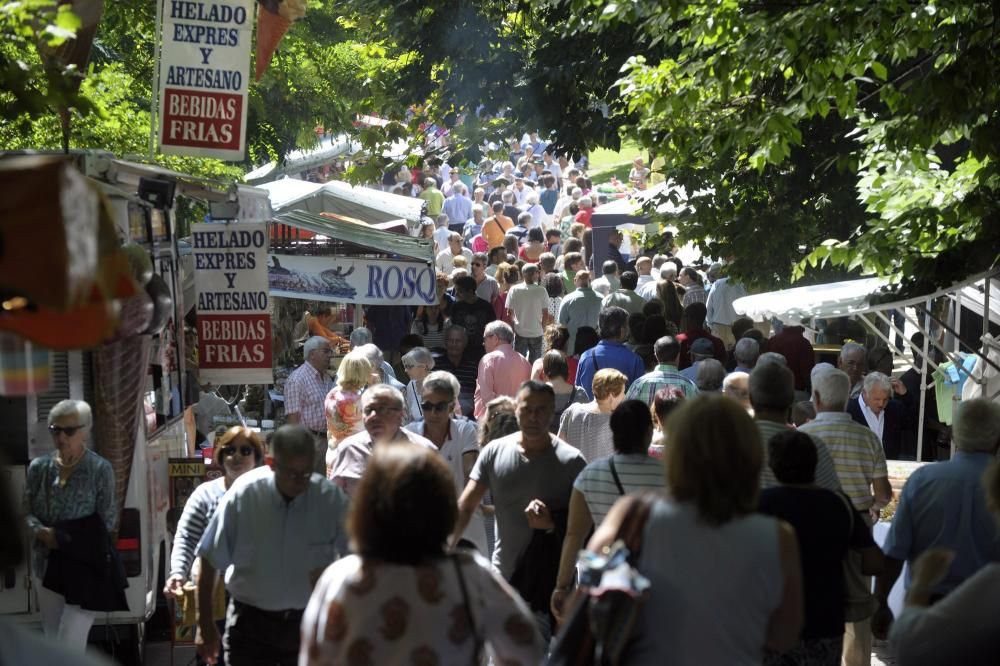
(319, 433)
(282, 615)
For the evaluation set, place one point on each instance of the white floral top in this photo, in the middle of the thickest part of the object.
(375, 613)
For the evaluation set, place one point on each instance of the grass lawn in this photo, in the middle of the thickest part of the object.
(607, 163)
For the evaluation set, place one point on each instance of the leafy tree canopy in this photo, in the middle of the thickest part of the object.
(854, 135)
(318, 79)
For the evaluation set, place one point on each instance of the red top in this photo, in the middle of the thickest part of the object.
(797, 351)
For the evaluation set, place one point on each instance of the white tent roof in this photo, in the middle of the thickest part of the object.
(329, 149)
(841, 299)
(364, 203)
(836, 299)
(289, 191)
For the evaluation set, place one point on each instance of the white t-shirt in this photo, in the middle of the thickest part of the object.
(446, 260)
(528, 302)
(441, 235)
(463, 437)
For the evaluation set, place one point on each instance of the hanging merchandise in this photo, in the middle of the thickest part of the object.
(984, 376)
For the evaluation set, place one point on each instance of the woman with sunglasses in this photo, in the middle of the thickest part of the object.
(70, 483)
(237, 451)
(455, 438)
(417, 363)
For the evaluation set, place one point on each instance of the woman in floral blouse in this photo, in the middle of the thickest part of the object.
(343, 402)
(402, 599)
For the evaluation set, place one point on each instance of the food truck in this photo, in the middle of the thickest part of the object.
(129, 361)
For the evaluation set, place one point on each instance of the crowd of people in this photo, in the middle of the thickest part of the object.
(428, 503)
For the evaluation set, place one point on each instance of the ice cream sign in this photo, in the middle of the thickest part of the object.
(204, 75)
(233, 304)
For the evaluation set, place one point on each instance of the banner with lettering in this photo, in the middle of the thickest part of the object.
(347, 280)
(204, 75)
(234, 321)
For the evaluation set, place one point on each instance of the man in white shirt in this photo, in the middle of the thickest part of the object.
(446, 259)
(644, 267)
(441, 233)
(272, 535)
(552, 166)
(721, 314)
(667, 272)
(608, 282)
(527, 304)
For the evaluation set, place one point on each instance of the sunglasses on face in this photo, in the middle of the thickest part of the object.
(246, 450)
(437, 406)
(69, 431)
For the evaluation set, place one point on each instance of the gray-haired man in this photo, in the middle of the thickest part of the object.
(305, 393)
(272, 535)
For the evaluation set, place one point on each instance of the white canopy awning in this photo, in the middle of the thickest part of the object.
(297, 161)
(836, 299)
(851, 297)
(363, 203)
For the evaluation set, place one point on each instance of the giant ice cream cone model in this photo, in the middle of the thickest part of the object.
(270, 29)
(274, 17)
(120, 371)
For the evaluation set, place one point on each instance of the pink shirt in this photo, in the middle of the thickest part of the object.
(501, 372)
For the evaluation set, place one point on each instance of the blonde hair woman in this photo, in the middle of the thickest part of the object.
(587, 425)
(343, 402)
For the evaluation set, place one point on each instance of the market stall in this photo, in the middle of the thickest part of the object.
(322, 271)
(635, 214)
(362, 203)
(942, 327)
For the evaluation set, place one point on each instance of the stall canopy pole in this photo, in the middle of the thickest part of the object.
(923, 388)
(986, 307)
(957, 305)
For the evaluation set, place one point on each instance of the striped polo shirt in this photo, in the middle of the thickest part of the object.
(826, 470)
(857, 454)
(637, 472)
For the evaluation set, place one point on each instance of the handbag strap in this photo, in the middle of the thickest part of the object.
(468, 607)
(634, 523)
(614, 475)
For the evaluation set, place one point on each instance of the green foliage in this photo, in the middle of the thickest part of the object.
(818, 126)
(30, 86)
(319, 78)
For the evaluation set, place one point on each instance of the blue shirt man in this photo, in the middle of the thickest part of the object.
(943, 505)
(272, 535)
(458, 207)
(610, 352)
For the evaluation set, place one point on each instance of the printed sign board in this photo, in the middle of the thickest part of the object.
(204, 76)
(234, 324)
(347, 280)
